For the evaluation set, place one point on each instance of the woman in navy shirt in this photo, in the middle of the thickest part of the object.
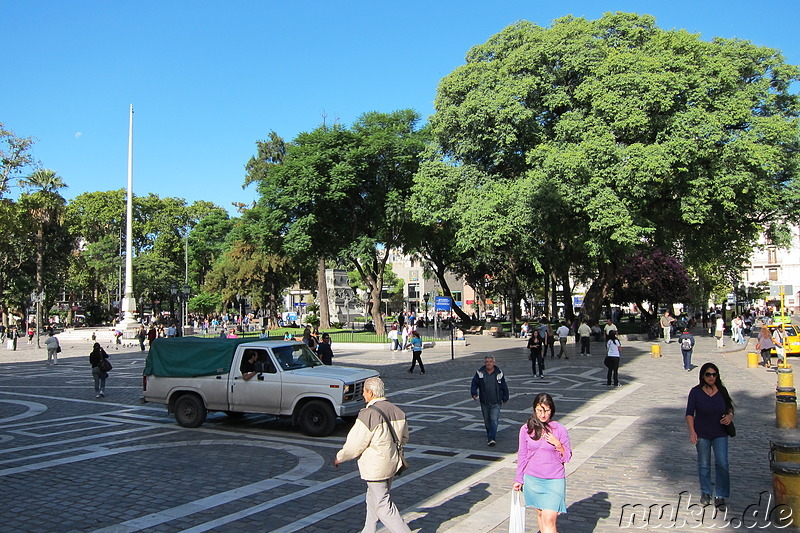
(708, 410)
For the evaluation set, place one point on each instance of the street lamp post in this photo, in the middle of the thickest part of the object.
(37, 299)
(182, 296)
(173, 291)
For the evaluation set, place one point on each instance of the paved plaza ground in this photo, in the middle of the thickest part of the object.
(70, 462)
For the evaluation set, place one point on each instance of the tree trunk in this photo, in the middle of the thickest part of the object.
(546, 291)
(272, 310)
(322, 296)
(554, 293)
(598, 291)
(566, 291)
(373, 279)
(439, 270)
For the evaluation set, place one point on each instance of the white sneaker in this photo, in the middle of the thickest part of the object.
(98, 395)
(103, 394)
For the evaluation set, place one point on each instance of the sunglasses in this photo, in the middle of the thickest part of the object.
(710, 374)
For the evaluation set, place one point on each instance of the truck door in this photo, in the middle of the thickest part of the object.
(262, 392)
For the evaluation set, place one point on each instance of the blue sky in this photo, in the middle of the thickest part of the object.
(208, 79)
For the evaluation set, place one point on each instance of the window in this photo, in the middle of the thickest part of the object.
(773, 274)
(413, 290)
(772, 255)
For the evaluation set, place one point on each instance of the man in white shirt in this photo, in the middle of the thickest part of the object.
(562, 332)
(609, 327)
(585, 332)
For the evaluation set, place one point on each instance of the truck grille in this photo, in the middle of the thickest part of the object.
(357, 394)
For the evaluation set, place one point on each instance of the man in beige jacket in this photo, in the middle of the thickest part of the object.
(371, 442)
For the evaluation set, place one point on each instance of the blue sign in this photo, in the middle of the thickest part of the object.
(292, 317)
(577, 301)
(443, 303)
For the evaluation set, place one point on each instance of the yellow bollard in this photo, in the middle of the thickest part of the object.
(785, 377)
(752, 360)
(786, 391)
(786, 412)
(786, 489)
(784, 452)
(655, 350)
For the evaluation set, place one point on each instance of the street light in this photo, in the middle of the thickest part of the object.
(182, 295)
(37, 299)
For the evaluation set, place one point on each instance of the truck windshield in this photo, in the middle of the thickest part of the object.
(296, 356)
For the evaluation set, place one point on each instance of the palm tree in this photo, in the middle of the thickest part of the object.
(46, 205)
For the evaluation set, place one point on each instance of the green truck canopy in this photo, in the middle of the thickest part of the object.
(191, 356)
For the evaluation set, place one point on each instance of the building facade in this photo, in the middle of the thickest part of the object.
(779, 268)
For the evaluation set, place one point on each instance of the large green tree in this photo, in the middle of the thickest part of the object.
(628, 136)
(344, 192)
(15, 157)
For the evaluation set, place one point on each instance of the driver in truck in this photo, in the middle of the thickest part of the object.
(248, 366)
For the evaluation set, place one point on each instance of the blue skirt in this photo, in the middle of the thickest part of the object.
(545, 493)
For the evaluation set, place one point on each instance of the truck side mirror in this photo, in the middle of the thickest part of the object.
(260, 376)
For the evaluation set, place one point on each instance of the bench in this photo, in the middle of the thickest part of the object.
(474, 330)
(495, 331)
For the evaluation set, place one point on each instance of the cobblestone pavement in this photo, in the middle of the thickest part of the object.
(70, 462)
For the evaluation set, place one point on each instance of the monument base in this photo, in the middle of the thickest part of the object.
(129, 328)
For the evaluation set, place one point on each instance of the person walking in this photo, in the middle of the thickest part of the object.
(549, 342)
(612, 358)
(11, 338)
(53, 347)
(666, 326)
(719, 331)
(490, 388)
(544, 448)
(709, 410)
(405, 334)
(152, 335)
(324, 350)
(416, 353)
(393, 336)
(141, 336)
(686, 341)
(563, 333)
(778, 336)
(98, 374)
(765, 344)
(372, 440)
(585, 334)
(535, 344)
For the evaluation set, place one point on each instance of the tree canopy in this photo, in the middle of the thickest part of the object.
(616, 135)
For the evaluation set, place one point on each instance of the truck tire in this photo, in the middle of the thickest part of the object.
(317, 419)
(190, 411)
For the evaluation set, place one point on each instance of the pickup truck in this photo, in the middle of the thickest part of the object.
(192, 376)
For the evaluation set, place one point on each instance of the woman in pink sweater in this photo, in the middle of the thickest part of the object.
(543, 449)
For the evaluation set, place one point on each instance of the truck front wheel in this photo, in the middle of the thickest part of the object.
(317, 419)
(190, 411)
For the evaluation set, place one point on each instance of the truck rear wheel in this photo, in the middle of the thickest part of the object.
(317, 419)
(190, 411)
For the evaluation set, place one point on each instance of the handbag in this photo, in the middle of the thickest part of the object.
(403, 463)
(516, 519)
(730, 429)
(105, 365)
(58, 349)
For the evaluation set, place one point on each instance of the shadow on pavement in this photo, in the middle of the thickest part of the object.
(453, 508)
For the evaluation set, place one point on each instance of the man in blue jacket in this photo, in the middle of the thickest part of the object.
(489, 385)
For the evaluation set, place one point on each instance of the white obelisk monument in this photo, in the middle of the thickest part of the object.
(129, 325)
